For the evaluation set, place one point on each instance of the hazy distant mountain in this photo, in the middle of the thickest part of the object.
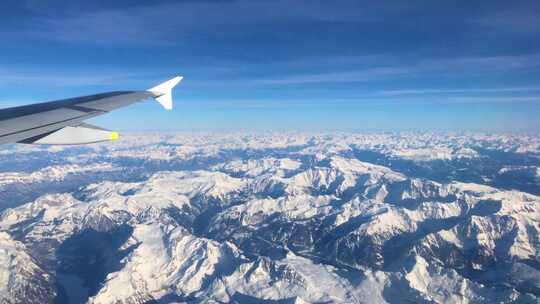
(273, 218)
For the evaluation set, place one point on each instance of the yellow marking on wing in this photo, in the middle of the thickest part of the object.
(114, 136)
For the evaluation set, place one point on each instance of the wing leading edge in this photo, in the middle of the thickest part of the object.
(62, 121)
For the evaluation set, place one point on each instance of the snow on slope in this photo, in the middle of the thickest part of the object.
(180, 263)
(20, 276)
(293, 218)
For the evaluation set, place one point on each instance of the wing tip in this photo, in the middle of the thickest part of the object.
(163, 92)
(166, 86)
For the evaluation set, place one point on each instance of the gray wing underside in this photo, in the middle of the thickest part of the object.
(27, 123)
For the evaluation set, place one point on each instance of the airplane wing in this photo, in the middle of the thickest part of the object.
(61, 122)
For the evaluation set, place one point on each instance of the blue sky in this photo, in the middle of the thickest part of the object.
(283, 65)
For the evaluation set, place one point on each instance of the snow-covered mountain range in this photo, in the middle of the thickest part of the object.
(273, 218)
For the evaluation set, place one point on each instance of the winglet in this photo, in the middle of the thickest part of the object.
(163, 92)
